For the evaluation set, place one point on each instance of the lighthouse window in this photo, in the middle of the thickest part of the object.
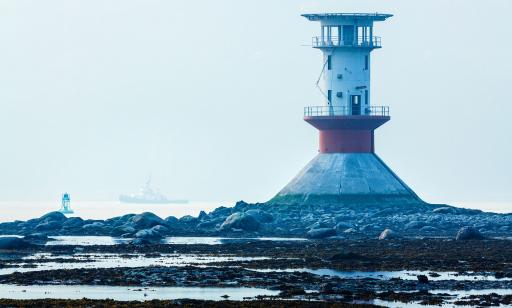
(329, 63)
(366, 62)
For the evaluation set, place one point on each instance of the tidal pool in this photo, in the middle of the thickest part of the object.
(182, 240)
(106, 260)
(386, 275)
(128, 293)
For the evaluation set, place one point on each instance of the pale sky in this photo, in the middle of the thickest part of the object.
(208, 96)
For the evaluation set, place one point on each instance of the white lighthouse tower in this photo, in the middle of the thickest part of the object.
(346, 170)
(346, 41)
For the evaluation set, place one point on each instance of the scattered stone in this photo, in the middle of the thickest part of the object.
(422, 278)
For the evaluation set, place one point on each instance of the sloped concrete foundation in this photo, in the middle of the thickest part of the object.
(347, 178)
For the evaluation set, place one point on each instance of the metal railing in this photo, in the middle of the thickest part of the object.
(328, 111)
(337, 41)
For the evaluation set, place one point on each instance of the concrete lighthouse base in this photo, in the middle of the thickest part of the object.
(347, 178)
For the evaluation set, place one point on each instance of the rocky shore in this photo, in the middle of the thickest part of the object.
(447, 250)
(283, 269)
(278, 220)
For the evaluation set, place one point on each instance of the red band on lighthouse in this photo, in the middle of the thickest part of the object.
(347, 134)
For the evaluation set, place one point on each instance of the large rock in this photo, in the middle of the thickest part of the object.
(148, 234)
(49, 226)
(10, 243)
(53, 216)
(73, 222)
(95, 226)
(260, 216)
(240, 221)
(172, 220)
(188, 219)
(145, 220)
(388, 234)
(321, 233)
(160, 229)
(468, 233)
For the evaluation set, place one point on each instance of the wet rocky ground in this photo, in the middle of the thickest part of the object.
(490, 259)
(172, 303)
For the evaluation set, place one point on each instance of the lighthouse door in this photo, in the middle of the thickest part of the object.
(356, 104)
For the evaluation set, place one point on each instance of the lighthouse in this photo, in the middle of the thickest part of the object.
(346, 169)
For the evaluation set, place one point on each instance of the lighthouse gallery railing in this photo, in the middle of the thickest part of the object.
(334, 41)
(326, 111)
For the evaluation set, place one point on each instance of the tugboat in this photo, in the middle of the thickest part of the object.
(148, 195)
(65, 204)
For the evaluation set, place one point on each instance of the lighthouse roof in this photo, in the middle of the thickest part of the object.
(352, 16)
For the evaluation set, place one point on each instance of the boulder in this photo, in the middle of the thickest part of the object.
(422, 278)
(53, 216)
(350, 230)
(119, 220)
(342, 226)
(188, 219)
(145, 220)
(73, 222)
(148, 234)
(240, 221)
(388, 234)
(160, 229)
(321, 233)
(124, 230)
(94, 226)
(49, 226)
(10, 243)
(414, 225)
(208, 224)
(428, 229)
(260, 216)
(172, 220)
(468, 233)
(203, 216)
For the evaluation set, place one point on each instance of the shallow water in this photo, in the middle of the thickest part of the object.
(128, 293)
(386, 275)
(455, 295)
(107, 240)
(115, 260)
